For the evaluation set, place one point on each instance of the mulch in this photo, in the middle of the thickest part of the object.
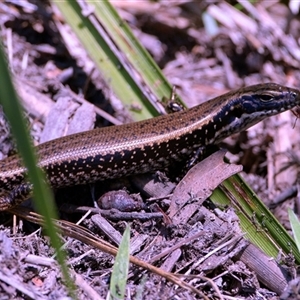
(205, 49)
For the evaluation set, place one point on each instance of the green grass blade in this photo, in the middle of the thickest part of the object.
(124, 69)
(136, 54)
(295, 223)
(259, 224)
(42, 195)
(120, 269)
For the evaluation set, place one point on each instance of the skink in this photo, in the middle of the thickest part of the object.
(144, 146)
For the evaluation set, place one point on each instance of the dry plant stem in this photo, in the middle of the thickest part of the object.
(233, 241)
(176, 246)
(214, 286)
(112, 214)
(50, 262)
(79, 281)
(100, 112)
(267, 270)
(79, 258)
(107, 228)
(40, 261)
(85, 236)
(195, 262)
(170, 262)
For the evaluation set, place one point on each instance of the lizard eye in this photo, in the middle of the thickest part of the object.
(265, 97)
